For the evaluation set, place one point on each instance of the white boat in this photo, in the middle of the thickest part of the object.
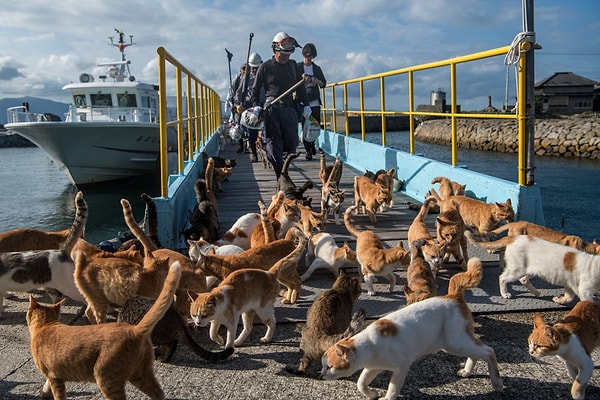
(110, 132)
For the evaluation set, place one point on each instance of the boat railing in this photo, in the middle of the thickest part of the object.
(197, 109)
(21, 114)
(111, 114)
(387, 86)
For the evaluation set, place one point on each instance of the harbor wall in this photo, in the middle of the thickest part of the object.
(575, 136)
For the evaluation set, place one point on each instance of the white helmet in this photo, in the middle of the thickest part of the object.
(251, 118)
(255, 60)
(284, 43)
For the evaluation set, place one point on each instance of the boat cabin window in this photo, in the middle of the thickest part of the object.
(101, 99)
(79, 100)
(126, 100)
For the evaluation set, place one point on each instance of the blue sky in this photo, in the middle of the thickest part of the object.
(45, 44)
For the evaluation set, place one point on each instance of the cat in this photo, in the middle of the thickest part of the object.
(168, 332)
(572, 339)
(23, 239)
(447, 188)
(385, 179)
(269, 227)
(204, 218)
(432, 250)
(373, 258)
(195, 247)
(323, 252)
(285, 183)
(450, 228)
(420, 279)
(325, 171)
(398, 339)
(219, 162)
(527, 256)
(110, 354)
(368, 196)
(221, 174)
(241, 231)
(262, 153)
(328, 320)
(152, 221)
(529, 228)
(22, 271)
(263, 257)
(311, 221)
(481, 216)
(244, 293)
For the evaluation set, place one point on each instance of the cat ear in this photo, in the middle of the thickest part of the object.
(343, 352)
(407, 290)
(32, 302)
(538, 321)
(192, 295)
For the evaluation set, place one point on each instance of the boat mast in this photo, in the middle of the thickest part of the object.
(121, 45)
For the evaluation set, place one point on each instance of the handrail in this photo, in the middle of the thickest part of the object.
(519, 116)
(193, 128)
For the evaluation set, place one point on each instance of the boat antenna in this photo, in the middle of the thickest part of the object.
(121, 45)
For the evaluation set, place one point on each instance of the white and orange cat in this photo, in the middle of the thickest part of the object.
(432, 250)
(374, 259)
(22, 271)
(395, 341)
(245, 292)
(526, 257)
(572, 339)
(109, 354)
(323, 252)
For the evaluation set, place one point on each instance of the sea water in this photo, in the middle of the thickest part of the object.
(34, 193)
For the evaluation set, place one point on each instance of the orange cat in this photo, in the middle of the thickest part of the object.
(450, 228)
(110, 354)
(24, 239)
(432, 250)
(369, 196)
(385, 179)
(244, 293)
(420, 280)
(482, 216)
(572, 339)
(373, 258)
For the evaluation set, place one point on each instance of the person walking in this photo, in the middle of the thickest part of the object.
(316, 80)
(275, 76)
(244, 101)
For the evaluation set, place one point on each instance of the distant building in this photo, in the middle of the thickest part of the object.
(567, 93)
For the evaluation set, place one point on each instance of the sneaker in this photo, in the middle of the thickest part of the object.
(308, 156)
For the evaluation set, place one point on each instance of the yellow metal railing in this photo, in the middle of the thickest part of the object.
(202, 109)
(521, 115)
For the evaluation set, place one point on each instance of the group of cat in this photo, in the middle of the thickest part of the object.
(219, 283)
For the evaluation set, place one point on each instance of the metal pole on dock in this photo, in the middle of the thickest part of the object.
(530, 90)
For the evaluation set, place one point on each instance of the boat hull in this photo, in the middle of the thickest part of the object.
(95, 152)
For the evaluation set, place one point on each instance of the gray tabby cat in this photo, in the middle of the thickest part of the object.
(328, 320)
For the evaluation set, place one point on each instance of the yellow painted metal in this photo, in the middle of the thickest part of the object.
(201, 121)
(520, 116)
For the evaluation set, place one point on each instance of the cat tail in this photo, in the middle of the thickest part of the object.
(283, 264)
(78, 227)
(466, 280)
(482, 240)
(152, 219)
(348, 221)
(212, 356)
(162, 302)
(139, 233)
(276, 203)
(425, 208)
(287, 162)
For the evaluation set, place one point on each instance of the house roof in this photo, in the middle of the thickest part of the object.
(565, 79)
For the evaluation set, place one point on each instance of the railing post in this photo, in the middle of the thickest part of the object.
(162, 97)
(453, 99)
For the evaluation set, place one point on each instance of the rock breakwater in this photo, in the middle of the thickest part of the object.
(576, 137)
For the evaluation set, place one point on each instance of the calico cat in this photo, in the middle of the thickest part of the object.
(323, 252)
(285, 183)
(373, 258)
(22, 271)
(168, 332)
(482, 216)
(263, 257)
(572, 339)
(432, 250)
(204, 219)
(368, 196)
(328, 320)
(529, 228)
(398, 339)
(244, 293)
(450, 228)
(110, 354)
(527, 256)
(420, 279)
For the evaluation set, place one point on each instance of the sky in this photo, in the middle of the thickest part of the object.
(46, 44)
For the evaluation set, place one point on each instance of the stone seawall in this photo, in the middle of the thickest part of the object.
(577, 137)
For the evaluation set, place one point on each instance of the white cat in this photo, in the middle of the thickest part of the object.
(323, 252)
(241, 231)
(394, 342)
(527, 256)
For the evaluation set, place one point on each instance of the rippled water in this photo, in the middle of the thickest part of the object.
(34, 193)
